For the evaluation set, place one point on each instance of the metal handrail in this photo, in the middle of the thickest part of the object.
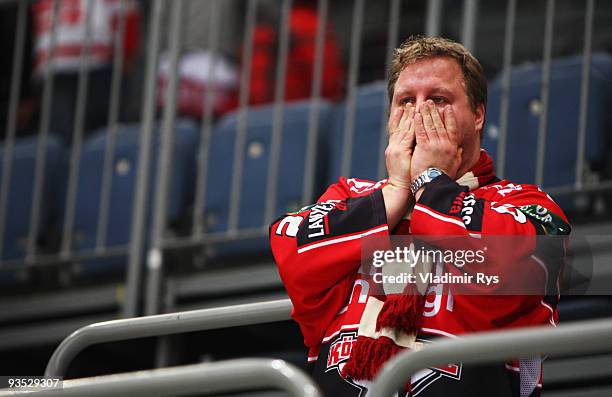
(164, 324)
(222, 376)
(593, 336)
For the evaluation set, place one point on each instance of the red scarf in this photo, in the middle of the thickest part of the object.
(390, 323)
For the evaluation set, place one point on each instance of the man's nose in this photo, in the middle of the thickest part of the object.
(418, 103)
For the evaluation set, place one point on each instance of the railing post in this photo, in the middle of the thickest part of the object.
(392, 33)
(584, 91)
(201, 189)
(48, 74)
(155, 265)
(78, 132)
(433, 17)
(468, 24)
(315, 97)
(276, 136)
(241, 129)
(134, 270)
(545, 92)
(506, 87)
(351, 100)
(111, 135)
(11, 127)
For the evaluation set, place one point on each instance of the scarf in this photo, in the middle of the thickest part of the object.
(390, 322)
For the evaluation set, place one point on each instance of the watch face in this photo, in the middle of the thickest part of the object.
(433, 172)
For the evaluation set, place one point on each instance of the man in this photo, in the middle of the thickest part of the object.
(439, 183)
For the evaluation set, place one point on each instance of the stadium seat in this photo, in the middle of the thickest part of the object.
(366, 152)
(563, 119)
(123, 187)
(254, 180)
(20, 195)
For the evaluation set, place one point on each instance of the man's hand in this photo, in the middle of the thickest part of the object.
(398, 154)
(437, 141)
(398, 157)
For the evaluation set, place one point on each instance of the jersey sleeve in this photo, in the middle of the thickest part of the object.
(506, 219)
(447, 208)
(318, 252)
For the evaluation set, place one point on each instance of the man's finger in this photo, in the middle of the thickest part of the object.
(410, 117)
(451, 125)
(398, 136)
(402, 128)
(394, 120)
(432, 134)
(419, 130)
(411, 127)
(437, 122)
(403, 123)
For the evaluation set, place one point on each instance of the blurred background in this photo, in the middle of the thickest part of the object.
(147, 145)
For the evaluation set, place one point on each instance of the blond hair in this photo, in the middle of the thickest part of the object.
(419, 47)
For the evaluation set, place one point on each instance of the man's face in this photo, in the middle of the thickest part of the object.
(441, 80)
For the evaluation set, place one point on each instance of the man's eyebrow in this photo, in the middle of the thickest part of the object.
(434, 91)
(441, 90)
(403, 92)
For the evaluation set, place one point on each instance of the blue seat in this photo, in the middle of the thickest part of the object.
(563, 118)
(20, 195)
(123, 189)
(576, 308)
(254, 180)
(369, 115)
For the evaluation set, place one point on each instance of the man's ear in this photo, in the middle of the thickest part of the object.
(480, 117)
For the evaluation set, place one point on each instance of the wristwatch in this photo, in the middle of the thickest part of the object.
(424, 177)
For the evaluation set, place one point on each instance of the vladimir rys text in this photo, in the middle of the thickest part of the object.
(429, 278)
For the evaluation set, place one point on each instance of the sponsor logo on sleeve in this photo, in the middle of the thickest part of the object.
(457, 203)
(550, 222)
(317, 220)
(505, 189)
(359, 186)
(510, 210)
(469, 209)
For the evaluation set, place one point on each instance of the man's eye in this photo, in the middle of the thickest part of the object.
(439, 99)
(406, 100)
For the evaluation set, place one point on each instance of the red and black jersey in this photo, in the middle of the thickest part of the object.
(318, 253)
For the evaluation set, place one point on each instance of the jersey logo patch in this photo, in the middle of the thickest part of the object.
(340, 351)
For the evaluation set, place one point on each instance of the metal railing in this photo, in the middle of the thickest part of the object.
(149, 245)
(222, 376)
(164, 324)
(583, 337)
